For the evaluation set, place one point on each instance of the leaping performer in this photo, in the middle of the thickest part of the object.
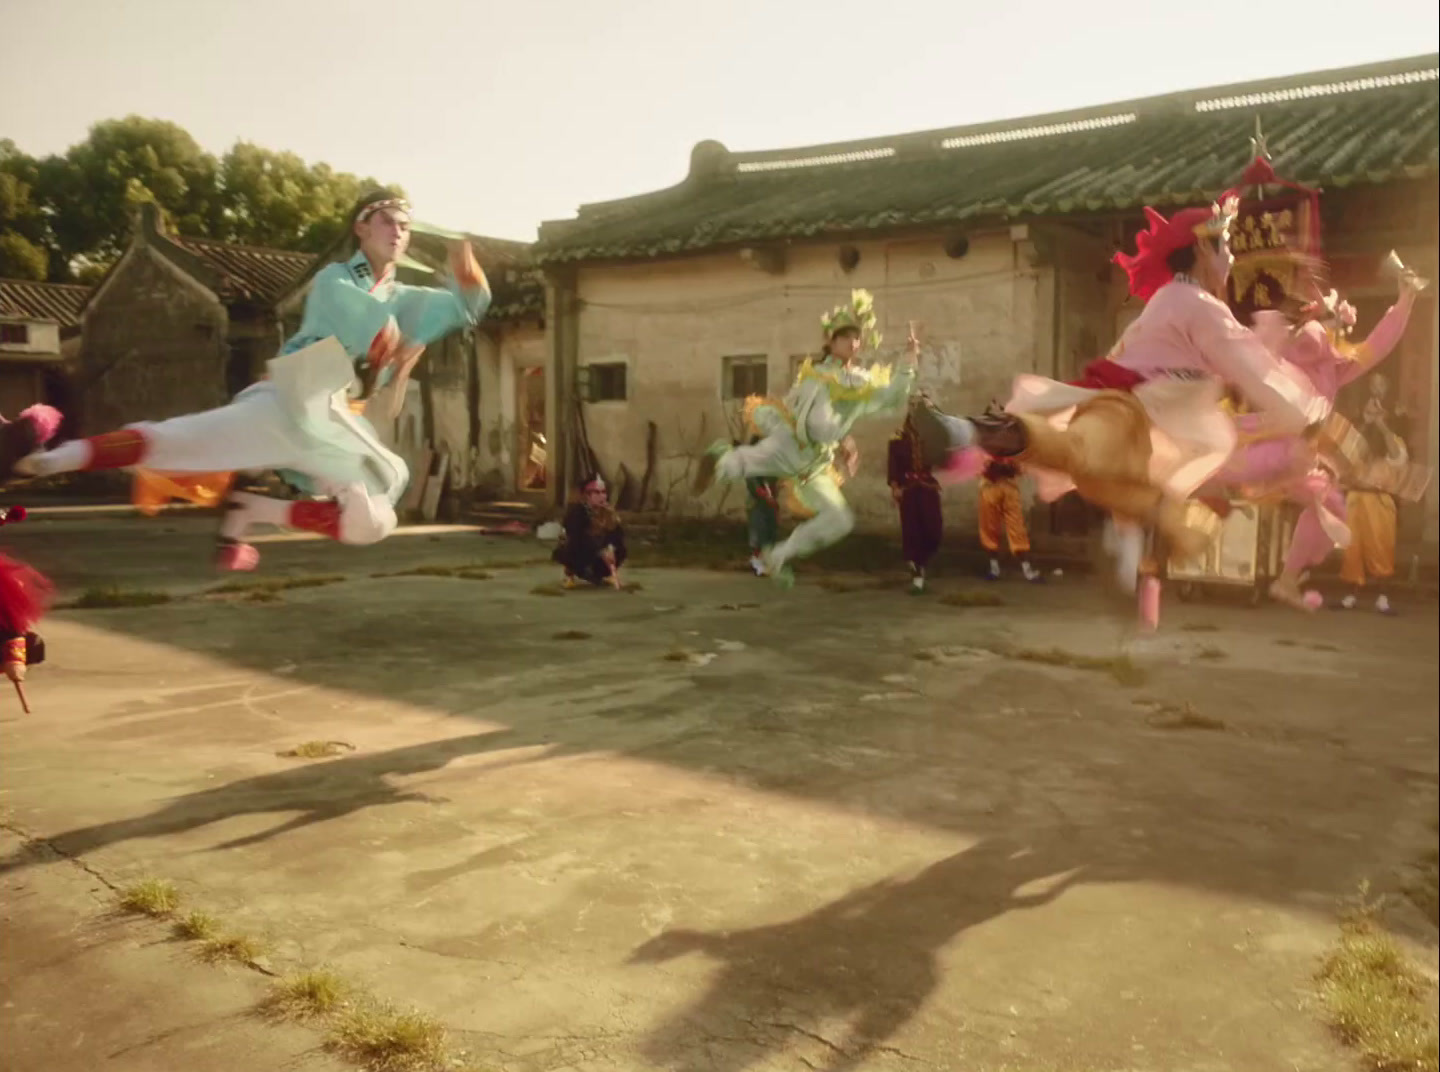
(24, 592)
(803, 432)
(1312, 341)
(358, 342)
(1144, 427)
(24, 598)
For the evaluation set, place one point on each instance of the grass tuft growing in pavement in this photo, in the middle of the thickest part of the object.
(236, 948)
(110, 597)
(272, 585)
(197, 927)
(316, 750)
(153, 897)
(1121, 667)
(387, 1039)
(307, 995)
(464, 573)
(1376, 1000)
(1185, 717)
(972, 597)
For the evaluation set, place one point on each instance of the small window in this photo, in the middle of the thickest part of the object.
(15, 334)
(744, 375)
(608, 382)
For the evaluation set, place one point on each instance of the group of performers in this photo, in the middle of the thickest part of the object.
(1146, 434)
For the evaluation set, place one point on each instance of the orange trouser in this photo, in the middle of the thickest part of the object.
(1000, 511)
(1371, 517)
(151, 490)
(1105, 450)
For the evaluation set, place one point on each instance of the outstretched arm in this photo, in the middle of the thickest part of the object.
(426, 314)
(1235, 354)
(1381, 341)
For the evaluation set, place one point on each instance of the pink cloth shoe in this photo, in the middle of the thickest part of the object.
(962, 465)
(237, 557)
(1149, 604)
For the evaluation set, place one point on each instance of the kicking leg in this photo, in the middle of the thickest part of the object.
(833, 520)
(354, 517)
(251, 433)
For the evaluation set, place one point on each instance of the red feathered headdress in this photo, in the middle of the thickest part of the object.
(24, 596)
(1146, 267)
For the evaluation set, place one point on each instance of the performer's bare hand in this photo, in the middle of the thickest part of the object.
(15, 671)
(897, 494)
(464, 267)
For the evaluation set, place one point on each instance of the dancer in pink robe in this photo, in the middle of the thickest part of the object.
(1319, 361)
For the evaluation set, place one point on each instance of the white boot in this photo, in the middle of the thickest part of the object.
(1128, 547)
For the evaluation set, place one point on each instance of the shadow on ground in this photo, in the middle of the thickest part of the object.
(1319, 748)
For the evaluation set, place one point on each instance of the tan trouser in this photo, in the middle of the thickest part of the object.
(1105, 450)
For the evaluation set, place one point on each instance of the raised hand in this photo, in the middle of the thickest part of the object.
(464, 267)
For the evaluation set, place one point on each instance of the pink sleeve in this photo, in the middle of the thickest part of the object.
(1235, 354)
(1383, 338)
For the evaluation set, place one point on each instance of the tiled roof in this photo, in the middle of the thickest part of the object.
(518, 288)
(248, 272)
(60, 302)
(1359, 125)
(518, 292)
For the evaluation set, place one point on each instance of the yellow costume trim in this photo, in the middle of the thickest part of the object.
(838, 392)
(754, 402)
(797, 509)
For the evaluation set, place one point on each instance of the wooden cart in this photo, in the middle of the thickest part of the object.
(1247, 555)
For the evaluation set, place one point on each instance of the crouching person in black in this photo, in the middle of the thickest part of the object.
(592, 548)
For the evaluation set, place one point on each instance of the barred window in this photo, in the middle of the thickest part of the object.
(609, 381)
(744, 375)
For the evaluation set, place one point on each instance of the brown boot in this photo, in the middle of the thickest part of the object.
(1001, 435)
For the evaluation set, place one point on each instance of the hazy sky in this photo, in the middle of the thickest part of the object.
(497, 116)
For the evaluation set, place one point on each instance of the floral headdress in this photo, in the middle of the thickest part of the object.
(858, 314)
(1332, 310)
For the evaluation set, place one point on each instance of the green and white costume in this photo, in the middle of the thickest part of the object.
(802, 431)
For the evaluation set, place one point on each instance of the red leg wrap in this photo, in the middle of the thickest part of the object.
(116, 450)
(321, 517)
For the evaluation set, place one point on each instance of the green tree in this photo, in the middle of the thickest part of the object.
(94, 188)
(69, 216)
(25, 240)
(276, 199)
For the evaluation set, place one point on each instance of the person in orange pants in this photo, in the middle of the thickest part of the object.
(1001, 511)
(1371, 553)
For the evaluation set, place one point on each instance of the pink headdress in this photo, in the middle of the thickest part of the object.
(1146, 267)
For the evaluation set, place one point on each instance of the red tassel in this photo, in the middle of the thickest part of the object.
(116, 450)
(321, 517)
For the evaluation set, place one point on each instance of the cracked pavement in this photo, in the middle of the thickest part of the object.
(845, 842)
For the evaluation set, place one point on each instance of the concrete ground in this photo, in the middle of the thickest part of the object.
(706, 825)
